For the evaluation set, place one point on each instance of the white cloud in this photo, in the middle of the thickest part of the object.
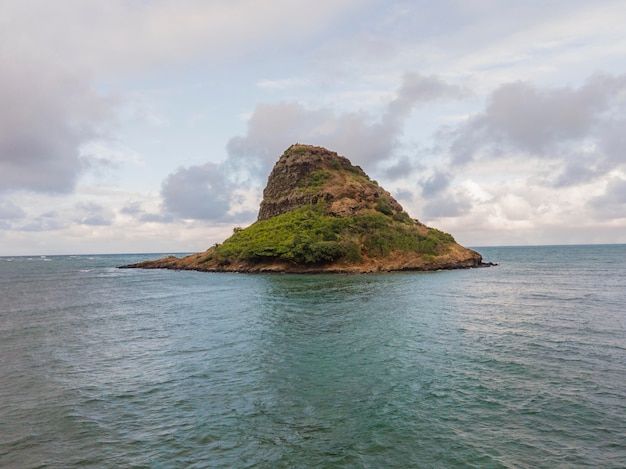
(514, 208)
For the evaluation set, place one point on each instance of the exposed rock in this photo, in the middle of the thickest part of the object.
(322, 214)
(345, 188)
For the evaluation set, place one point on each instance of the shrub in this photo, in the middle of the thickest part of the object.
(352, 252)
(440, 236)
(402, 217)
(308, 235)
(315, 180)
(335, 164)
(384, 208)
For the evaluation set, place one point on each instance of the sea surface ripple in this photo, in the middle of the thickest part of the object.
(519, 365)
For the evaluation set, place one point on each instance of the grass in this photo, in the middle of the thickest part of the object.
(315, 180)
(308, 235)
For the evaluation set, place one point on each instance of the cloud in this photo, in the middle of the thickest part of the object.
(514, 207)
(130, 36)
(209, 191)
(45, 117)
(364, 138)
(10, 211)
(274, 127)
(201, 192)
(196, 192)
(419, 89)
(400, 168)
(49, 108)
(521, 118)
(612, 204)
(155, 218)
(611, 135)
(132, 208)
(282, 84)
(436, 184)
(136, 211)
(578, 168)
(404, 194)
(93, 214)
(49, 221)
(447, 205)
(214, 192)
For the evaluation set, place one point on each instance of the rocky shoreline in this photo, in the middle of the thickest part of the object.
(193, 263)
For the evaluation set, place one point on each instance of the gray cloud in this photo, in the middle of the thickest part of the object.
(404, 194)
(419, 89)
(197, 192)
(51, 54)
(579, 168)
(612, 204)
(46, 116)
(401, 168)
(447, 206)
(271, 129)
(48, 106)
(436, 184)
(93, 214)
(132, 208)
(358, 135)
(95, 220)
(48, 221)
(547, 123)
(611, 134)
(10, 211)
(131, 36)
(274, 127)
(155, 218)
(200, 192)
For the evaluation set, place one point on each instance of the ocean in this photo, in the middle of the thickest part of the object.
(522, 365)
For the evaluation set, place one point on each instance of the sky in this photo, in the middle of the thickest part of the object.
(152, 125)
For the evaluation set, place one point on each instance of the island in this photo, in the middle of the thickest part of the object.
(320, 213)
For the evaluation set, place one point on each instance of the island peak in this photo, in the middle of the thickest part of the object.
(307, 175)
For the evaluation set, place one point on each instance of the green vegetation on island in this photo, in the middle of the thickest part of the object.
(308, 235)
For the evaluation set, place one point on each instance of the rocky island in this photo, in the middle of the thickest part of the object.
(319, 214)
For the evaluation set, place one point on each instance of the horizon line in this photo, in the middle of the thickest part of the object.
(194, 252)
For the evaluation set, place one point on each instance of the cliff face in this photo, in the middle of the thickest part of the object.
(306, 174)
(322, 214)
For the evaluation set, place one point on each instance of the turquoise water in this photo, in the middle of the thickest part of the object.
(514, 366)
